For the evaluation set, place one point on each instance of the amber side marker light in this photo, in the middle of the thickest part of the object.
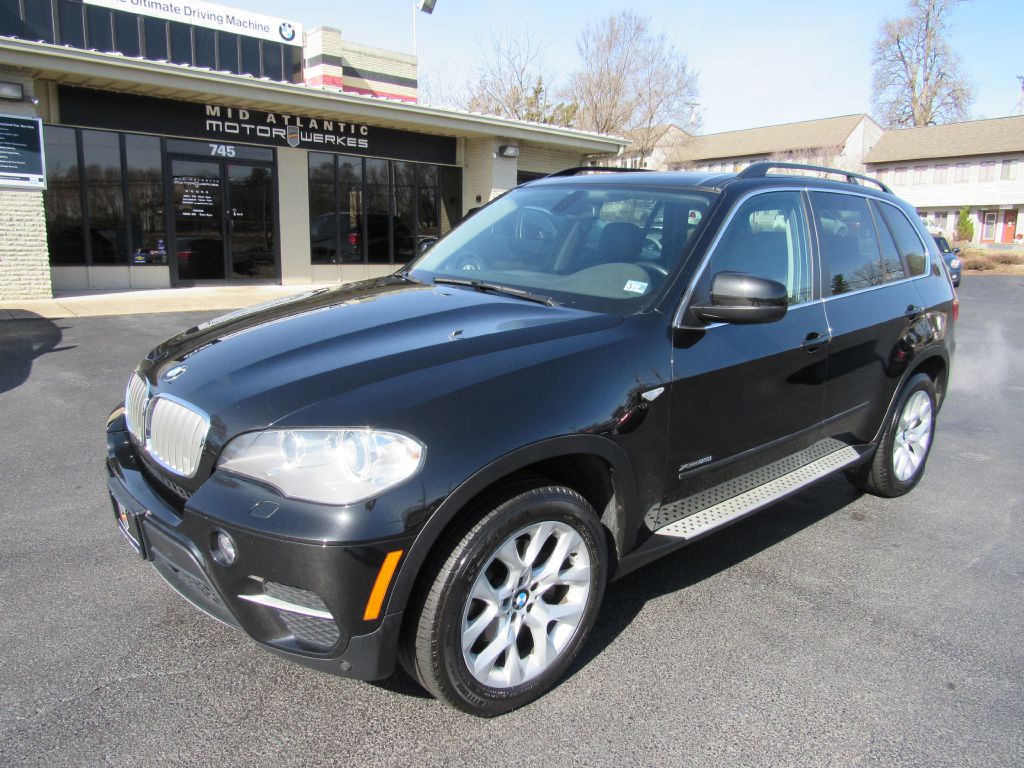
(380, 586)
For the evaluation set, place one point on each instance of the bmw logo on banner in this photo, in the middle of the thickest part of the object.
(287, 32)
(293, 135)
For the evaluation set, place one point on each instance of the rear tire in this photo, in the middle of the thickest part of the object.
(903, 449)
(511, 604)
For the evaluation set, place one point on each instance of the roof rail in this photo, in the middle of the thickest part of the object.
(581, 169)
(760, 170)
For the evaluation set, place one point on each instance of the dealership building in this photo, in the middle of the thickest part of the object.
(187, 143)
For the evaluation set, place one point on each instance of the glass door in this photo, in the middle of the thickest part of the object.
(224, 220)
(252, 255)
(198, 219)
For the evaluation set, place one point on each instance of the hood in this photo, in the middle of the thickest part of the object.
(256, 366)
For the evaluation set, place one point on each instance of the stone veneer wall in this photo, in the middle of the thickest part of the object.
(24, 256)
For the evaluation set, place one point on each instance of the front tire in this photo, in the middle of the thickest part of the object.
(899, 460)
(512, 603)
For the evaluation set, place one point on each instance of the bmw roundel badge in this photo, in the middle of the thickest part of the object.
(175, 372)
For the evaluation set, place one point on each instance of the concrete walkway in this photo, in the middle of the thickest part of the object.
(94, 303)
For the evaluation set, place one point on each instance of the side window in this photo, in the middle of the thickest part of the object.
(850, 256)
(767, 237)
(892, 265)
(907, 240)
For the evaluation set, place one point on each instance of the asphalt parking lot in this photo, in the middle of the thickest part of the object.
(833, 629)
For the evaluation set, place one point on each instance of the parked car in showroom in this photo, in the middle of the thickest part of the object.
(951, 257)
(444, 468)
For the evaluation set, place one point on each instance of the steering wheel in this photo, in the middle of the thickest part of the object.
(652, 244)
(653, 266)
(535, 224)
(467, 261)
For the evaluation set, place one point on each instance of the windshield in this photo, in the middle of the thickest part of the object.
(943, 245)
(599, 248)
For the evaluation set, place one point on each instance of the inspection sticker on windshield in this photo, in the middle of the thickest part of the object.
(635, 286)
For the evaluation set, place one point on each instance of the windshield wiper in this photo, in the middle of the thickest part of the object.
(495, 288)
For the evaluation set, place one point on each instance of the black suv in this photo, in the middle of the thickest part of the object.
(444, 467)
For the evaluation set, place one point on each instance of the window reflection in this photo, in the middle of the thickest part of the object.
(123, 219)
(376, 211)
(104, 196)
(146, 199)
(404, 222)
(378, 236)
(426, 202)
(350, 209)
(63, 197)
(323, 235)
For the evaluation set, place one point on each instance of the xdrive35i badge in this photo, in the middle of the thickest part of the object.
(175, 372)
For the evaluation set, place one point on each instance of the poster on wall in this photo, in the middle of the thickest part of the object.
(21, 152)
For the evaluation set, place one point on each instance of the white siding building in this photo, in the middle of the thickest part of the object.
(838, 142)
(942, 168)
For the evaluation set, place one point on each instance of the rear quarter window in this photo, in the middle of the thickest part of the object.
(851, 258)
(907, 240)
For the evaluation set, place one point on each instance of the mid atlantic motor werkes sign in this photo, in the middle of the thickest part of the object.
(228, 124)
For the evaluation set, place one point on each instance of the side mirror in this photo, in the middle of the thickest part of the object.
(425, 244)
(956, 251)
(737, 297)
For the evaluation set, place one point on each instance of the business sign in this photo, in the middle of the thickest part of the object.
(21, 152)
(227, 124)
(212, 16)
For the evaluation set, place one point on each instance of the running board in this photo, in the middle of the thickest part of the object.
(697, 524)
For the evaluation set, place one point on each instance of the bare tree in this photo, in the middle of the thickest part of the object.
(511, 83)
(440, 88)
(631, 79)
(830, 155)
(917, 78)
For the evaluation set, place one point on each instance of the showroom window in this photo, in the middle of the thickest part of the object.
(63, 197)
(375, 211)
(104, 198)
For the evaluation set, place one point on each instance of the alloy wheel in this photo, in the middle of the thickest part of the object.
(526, 604)
(913, 436)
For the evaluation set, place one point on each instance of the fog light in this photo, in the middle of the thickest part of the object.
(224, 550)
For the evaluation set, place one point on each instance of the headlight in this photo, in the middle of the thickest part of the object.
(330, 466)
(954, 263)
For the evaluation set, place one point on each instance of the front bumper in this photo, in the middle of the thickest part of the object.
(302, 597)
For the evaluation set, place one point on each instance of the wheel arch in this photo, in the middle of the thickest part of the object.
(934, 363)
(595, 467)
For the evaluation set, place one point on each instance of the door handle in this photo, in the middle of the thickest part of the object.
(913, 312)
(816, 341)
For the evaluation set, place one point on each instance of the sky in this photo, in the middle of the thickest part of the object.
(759, 63)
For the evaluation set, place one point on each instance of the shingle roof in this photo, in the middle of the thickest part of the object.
(657, 134)
(809, 134)
(975, 137)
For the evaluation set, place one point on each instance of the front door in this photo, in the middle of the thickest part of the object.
(1009, 226)
(744, 396)
(223, 223)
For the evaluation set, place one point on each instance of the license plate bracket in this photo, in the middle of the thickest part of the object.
(128, 524)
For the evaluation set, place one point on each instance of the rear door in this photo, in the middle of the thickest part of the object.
(871, 303)
(745, 395)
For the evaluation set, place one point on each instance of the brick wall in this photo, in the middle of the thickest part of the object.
(332, 62)
(24, 257)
